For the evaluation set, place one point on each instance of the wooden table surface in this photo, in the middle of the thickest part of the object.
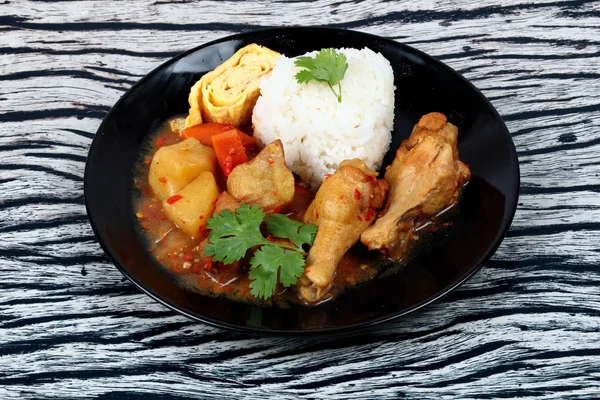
(526, 326)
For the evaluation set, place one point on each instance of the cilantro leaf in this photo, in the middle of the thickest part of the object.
(233, 234)
(328, 65)
(265, 265)
(263, 271)
(304, 76)
(333, 64)
(292, 268)
(304, 62)
(298, 233)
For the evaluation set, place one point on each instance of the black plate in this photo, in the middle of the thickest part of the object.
(423, 85)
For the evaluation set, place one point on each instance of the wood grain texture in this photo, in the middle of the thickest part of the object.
(526, 326)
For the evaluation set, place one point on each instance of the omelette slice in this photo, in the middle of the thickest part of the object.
(228, 93)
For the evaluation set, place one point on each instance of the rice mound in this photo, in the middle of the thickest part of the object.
(317, 131)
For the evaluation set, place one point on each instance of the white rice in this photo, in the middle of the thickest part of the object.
(317, 131)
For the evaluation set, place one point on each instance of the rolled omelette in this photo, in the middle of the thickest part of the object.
(228, 93)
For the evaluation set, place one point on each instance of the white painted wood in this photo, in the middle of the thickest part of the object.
(526, 326)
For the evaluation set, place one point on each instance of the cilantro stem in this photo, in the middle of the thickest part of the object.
(285, 246)
(339, 96)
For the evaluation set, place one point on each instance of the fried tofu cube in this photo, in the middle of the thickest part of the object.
(265, 180)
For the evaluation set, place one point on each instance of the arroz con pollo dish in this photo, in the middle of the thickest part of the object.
(268, 189)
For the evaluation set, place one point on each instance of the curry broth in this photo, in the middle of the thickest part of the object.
(181, 254)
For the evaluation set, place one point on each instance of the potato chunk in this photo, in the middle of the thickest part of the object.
(174, 166)
(190, 207)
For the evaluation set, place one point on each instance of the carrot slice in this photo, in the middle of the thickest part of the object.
(204, 132)
(247, 140)
(229, 150)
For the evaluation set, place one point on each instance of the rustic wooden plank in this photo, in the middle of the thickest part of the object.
(525, 326)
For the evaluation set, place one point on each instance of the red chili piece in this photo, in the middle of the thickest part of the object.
(162, 180)
(370, 214)
(174, 199)
(301, 188)
(161, 141)
(356, 194)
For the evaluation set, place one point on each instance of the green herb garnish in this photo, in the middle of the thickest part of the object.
(234, 233)
(328, 65)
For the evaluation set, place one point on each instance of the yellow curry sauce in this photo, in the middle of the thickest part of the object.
(182, 255)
